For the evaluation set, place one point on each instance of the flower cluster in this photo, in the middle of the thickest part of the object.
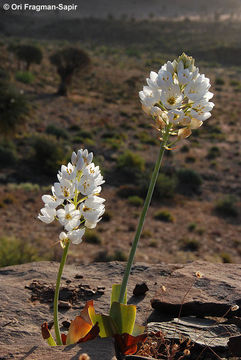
(77, 194)
(178, 95)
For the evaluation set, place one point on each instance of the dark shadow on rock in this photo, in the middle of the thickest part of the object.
(30, 352)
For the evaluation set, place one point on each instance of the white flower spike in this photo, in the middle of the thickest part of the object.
(77, 193)
(178, 95)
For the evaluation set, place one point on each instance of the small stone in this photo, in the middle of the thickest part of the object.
(78, 276)
(66, 324)
(140, 289)
(64, 305)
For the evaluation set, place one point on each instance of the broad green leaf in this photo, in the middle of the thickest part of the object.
(138, 330)
(105, 323)
(115, 294)
(124, 317)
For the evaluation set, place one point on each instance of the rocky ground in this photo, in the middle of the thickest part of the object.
(26, 296)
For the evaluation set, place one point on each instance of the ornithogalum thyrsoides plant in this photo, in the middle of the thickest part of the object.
(177, 98)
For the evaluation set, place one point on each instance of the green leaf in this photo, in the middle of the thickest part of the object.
(124, 317)
(106, 324)
(138, 330)
(115, 294)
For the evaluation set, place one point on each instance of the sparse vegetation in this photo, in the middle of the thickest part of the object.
(15, 251)
(131, 165)
(189, 181)
(25, 77)
(92, 237)
(190, 244)
(164, 215)
(135, 200)
(30, 54)
(226, 206)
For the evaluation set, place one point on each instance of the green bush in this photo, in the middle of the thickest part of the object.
(189, 181)
(14, 251)
(118, 255)
(135, 200)
(25, 77)
(213, 152)
(219, 81)
(91, 237)
(190, 244)
(126, 191)
(164, 188)
(8, 154)
(226, 258)
(131, 165)
(29, 54)
(164, 215)
(226, 206)
(48, 154)
(14, 109)
(56, 131)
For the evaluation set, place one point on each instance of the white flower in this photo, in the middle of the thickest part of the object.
(47, 214)
(51, 200)
(63, 239)
(92, 209)
(184, 75)
(201, 110)
(149, 97)
(76, 235)
(91, 180)
(164, 80)
(172, 97)
(69, 217)
(151, 82)
(198, 88)
(68, 172)
(64, 189)
(175, 116)
(170, 66)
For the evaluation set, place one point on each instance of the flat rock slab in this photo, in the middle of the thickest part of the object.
(97, 349)
(205, 334)
(211, 295)
(26, 295)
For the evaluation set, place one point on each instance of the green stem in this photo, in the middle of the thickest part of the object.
(56, 295)
(143, 215)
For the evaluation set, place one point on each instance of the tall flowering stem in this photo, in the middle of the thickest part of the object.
(56, 294)
(77, 194)
(143, 214)
(177, 98)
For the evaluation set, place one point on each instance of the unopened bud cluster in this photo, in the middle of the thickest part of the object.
(76, 195)
(178, 95)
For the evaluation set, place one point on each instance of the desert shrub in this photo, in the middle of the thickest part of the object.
(164, 215)
(27, 186)
(226, 206)
(56, 131)
(190, 244)
(184, 148)
(91, 237)
(29, 54)
(189, 181)
(192, 226)
(48, 154)
(146, 138)
(213, 152)
(130, 164)
(234, 83)
(190, 159)
(135, 200)
(69, 62)
(219, 81)
(25, 77)
(226, 258)
(14, 251)
(14, 109)
(164, 188)
(118, 255)
(8, 154)
(102, 256)
(107, 216)
(126, 191)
